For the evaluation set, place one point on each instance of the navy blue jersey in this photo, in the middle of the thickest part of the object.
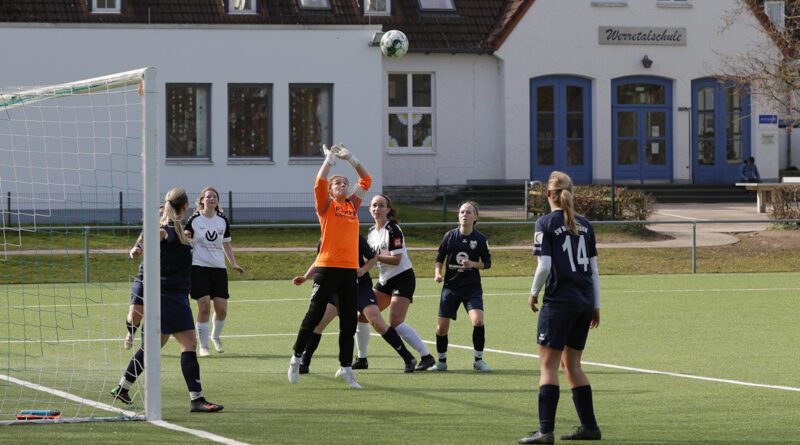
(456, 247)
(364, 251)
(570, 279)
(176, 262)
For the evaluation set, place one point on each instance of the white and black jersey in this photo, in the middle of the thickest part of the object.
(389, 238)
(208, 234)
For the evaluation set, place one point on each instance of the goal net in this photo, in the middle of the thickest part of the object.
(73, 199)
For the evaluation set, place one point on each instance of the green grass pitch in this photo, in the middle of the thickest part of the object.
(677, 359)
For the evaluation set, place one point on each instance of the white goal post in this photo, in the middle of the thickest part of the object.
(79, 181)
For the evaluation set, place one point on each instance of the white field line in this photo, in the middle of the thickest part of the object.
(104, 406)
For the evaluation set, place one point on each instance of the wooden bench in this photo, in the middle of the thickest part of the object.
(762, 188)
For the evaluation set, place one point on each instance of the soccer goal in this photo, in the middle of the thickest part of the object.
(78, 184)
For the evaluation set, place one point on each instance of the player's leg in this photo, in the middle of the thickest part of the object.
(190, 368)
(316, 336)
(203, 326)
(578, 381)
(347, 303)
(390, 335)
(135, 311)
(325, 283)
(448, 310)
(219, 297)
(474, 306)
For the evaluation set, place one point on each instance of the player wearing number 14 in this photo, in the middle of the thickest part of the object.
(565, 245)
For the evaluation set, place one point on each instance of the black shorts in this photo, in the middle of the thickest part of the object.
(137, 291)
(176, 312)
(470, 296)
(366, 296)
(211, 281)
(563, 325)
(400, 285)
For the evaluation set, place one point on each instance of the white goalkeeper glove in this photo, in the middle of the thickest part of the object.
(343, 153)
(330, 156)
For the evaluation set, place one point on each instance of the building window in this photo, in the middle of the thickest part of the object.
(242, 6)
(674, 3)
(436, 5)
(410, 111)
(377, 7)
(314, 4)
(249, 116)
(188, 121)
(106, 6)
(310, 119)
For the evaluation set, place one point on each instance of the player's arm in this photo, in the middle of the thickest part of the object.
(539, 279)
(136, 250)
(303, 278)
(596, 285)
(437, 272)
(330, 160)
(367, 266)
(228, 249)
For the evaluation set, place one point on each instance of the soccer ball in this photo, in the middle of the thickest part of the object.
(394, 44)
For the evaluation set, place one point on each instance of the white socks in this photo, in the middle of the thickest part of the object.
(362, 339)
(202, 334)
(216, 328)
(412, 338)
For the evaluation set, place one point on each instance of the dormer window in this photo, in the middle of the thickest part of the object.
(242, 6)
(106, 6)
(437, 5)
(314, 4)
(377, 7)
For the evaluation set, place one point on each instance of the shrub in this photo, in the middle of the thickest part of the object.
(785, 202)
(594, 202)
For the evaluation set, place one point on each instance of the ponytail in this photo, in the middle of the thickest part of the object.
(560, 188)
(173, 212)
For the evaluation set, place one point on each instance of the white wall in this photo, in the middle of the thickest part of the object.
(561, 37)
(468, 108)
(339, 55)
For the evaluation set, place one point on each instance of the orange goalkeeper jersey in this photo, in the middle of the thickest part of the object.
(338, 223)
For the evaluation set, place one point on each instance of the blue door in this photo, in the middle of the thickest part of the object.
(561, 127)
(720, 131)
(641, 122)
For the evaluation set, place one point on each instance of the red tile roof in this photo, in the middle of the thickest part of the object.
(469, 29)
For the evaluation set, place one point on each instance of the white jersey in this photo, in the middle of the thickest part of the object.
(389, 238)
(208, 234)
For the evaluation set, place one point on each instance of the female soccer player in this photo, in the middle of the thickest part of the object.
(336, 269)
(565, 245)
(176, 312)
(465, 251)
(211, 235)
(367, 305)
(136, 308)
(396, 280)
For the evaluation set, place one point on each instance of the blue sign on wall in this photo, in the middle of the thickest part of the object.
(768, 121)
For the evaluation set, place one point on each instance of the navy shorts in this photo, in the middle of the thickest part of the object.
(400, 285)
(366, 296)
(176, 312)
(561, 326)
(211, 281)
(470, 297)
(137, 291)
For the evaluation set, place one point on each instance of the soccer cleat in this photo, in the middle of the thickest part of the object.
(425, 363)
(203, 352)
(128, 342)
(538, 437)
(410, 366)
(346, 374)
(201, 405)
(303, 368)
(121, 394)
(439, 367)
(217, 344)
(360, 363)
(583, 433)
(294, 369)
(481, 366)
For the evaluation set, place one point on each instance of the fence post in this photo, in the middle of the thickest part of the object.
(86, 254)
(121, 214)
(8, 209)
(444, 206)
(230, 206)
(694, 246)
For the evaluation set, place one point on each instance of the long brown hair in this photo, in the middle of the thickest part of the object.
(560, 187)
(174, 201)
(202, 205)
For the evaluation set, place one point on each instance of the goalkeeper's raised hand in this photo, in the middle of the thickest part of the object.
(343, 153)
(330, 156)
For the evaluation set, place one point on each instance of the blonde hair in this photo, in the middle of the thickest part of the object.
(201, 205)
(174, 201)
(560, 187)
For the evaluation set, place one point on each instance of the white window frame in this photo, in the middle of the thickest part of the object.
(105, 10)
(437, 8)
(674, 3)
(319, 5)
(253, 9)
(410, 108)
(387, 10)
